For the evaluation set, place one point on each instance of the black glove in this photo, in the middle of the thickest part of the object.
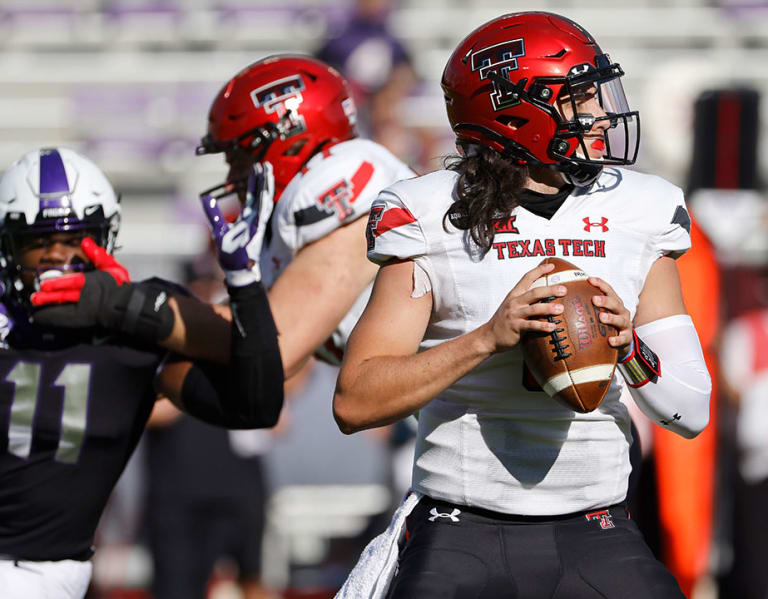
(97, 299)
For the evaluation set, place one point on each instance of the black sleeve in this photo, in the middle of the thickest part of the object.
(247, 392)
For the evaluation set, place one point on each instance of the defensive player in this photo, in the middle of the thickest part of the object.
(292, 119)
(73, 401)
(514, 494)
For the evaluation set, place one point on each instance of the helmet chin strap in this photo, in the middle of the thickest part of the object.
(579, 175)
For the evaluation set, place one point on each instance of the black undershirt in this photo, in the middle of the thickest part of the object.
(544, 204)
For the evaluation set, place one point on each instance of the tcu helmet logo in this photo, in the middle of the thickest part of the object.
(588, 224)
(501, 58)
(280, 97)
(452, 516)
(603, 516)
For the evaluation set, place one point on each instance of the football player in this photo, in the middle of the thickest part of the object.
(514, 493)
(286, 125)
(74, 401)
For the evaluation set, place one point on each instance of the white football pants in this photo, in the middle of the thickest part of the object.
(65, 579)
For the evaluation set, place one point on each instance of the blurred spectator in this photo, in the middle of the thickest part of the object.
(383, 80)
(206, 502)
(368, 55)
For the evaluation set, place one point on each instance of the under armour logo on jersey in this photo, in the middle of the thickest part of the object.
(588, 224)
(452, 516)
(603, 516)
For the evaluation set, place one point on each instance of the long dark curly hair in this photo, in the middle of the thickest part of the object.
(488, 189)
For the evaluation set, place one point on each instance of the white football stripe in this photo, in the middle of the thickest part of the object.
(565, 276)
(588, 374)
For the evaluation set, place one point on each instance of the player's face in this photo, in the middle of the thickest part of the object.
(49, 251)
(582, 103)
(240, 163)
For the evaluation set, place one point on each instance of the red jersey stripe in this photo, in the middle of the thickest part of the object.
(393, 218)
(360, 179)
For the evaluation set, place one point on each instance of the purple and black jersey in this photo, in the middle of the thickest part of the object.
(72, 409)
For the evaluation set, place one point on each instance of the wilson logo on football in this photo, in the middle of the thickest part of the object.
(602, 223)
(500, 58)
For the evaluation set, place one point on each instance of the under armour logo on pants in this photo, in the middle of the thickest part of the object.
(451, 516)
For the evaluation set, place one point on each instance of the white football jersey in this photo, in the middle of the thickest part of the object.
(487, 441)
(335, 187)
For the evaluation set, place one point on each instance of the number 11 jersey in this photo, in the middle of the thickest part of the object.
(72, 409)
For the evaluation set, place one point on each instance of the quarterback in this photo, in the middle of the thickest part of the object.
(514, 494)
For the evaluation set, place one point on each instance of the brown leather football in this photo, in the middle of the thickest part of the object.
(574, 363)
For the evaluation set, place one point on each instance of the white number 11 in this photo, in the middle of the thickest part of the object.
(76, 380)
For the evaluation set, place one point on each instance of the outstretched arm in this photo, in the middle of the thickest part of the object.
(308, 301)
(247, 391)
(245, 388)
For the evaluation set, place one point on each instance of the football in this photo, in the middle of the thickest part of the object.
(574, 363)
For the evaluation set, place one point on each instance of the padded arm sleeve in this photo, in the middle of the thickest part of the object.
(679, 399)
(247, 392)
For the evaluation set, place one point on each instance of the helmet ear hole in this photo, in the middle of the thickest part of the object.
(295, 148)
(513, 122)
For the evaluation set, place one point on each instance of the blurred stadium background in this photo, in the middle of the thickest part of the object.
(129, 84)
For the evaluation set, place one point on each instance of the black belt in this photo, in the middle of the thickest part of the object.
(441, 504)
(84, 557)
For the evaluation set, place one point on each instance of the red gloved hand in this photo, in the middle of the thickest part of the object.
(68, 288)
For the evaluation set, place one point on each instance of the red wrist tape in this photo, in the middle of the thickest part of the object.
(641, 366)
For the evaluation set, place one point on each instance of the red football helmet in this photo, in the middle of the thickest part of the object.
(510, 82)
(281, 109)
